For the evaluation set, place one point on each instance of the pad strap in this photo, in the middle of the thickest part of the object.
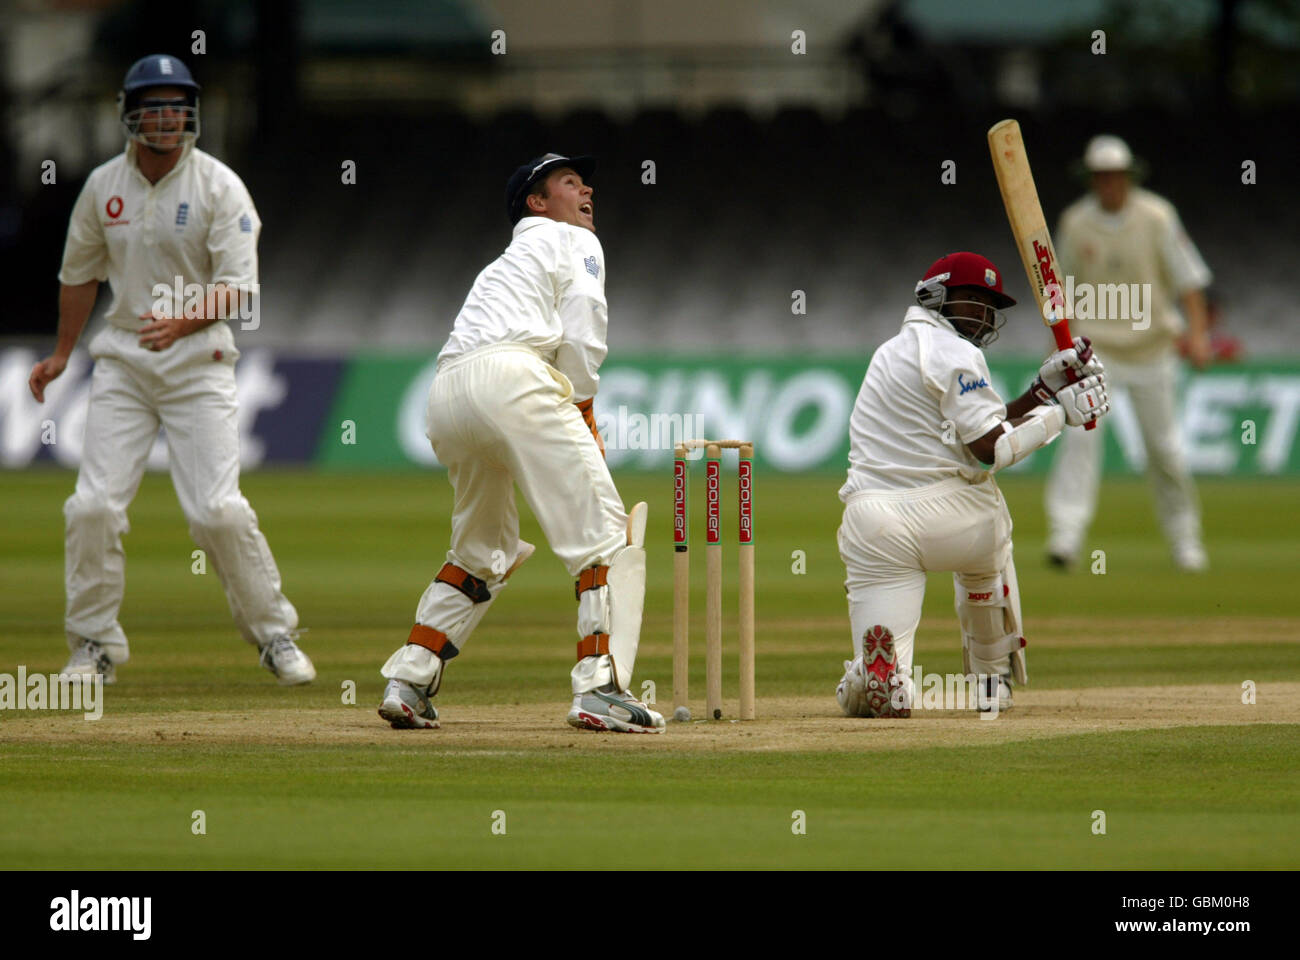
(593, 644)
(465, 582)
(434, 640)
(999, 647)
(590, 579)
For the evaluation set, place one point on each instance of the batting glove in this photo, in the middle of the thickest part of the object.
(1085, 401)
(1064, 367)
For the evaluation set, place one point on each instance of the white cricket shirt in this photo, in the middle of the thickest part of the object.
(197, 223)
(547, 291)
(923, 385)
(1142, 243)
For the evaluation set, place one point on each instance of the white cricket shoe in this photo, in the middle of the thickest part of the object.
(607, 708)
(289, 664)
(992, 686)
(884, 690)
(90, 660)
(1191, 558)
(407, 707)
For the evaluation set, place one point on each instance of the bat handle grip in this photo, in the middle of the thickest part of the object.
(1061, 333)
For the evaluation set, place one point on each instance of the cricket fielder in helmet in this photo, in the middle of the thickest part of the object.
(927, 434)
(159, 217)
(511, 403)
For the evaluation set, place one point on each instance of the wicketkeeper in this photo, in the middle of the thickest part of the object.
(511, 403)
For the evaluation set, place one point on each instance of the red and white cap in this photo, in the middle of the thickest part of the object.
(965, 269)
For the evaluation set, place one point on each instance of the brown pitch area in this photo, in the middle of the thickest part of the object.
(784, 724)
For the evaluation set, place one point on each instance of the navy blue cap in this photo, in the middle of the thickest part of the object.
(535, 169)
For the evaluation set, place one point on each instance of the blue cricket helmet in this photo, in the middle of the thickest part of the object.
(157, 70)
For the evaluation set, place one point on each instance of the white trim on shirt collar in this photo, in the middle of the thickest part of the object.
(132, 146)
(919, 314)
(527, 223)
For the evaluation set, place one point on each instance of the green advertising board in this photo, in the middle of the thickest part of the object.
(1240, 419)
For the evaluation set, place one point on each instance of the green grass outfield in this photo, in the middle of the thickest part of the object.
(1134, 707)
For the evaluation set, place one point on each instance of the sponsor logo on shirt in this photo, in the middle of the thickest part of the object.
(114, 210)
(593, 267)
(182, 214)
(245, 224)
(973, 385)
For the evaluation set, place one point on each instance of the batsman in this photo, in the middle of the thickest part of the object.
(927, 434)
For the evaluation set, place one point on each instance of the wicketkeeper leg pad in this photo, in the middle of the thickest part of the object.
(988, 608)
(611, 601)
(451, 607)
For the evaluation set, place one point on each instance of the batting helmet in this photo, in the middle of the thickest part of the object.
(158, 70)
(965, 269)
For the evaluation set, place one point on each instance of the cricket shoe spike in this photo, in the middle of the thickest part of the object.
(886, 696)
(616, 711)
(288, 664)
(90, 660)
(407, 707)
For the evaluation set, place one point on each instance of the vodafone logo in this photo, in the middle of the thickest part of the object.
(114, 207)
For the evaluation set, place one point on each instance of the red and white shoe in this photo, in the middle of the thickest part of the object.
(886, 692)
(614, 711)
(407, 707)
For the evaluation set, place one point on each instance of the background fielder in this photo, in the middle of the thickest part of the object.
(511, 403)
(919, 496)
(161, 215)
(1122, 234)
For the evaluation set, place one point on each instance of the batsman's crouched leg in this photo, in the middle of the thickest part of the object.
(988, 607)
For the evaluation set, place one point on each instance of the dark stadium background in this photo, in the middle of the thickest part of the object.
(775, 171)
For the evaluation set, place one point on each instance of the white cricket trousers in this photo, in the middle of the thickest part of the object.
(890, 540)
(189, 389)
(1071, 492)
(501, 416)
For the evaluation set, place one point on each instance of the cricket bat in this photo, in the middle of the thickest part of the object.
(1033, 242)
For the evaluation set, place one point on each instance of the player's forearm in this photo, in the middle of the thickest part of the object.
(195, 324)
(220, 303)
(1198, 316)
(1022, 405)
(75, 303)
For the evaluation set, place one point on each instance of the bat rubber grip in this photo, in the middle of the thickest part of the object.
(1061, 333)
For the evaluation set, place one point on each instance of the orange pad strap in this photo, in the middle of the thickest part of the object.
(590, 579)
(465, 582)
(593, 644)
(434, 640)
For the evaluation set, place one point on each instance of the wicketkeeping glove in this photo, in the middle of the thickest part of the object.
(1084, 401)
(1064, 367)
(586, 408)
